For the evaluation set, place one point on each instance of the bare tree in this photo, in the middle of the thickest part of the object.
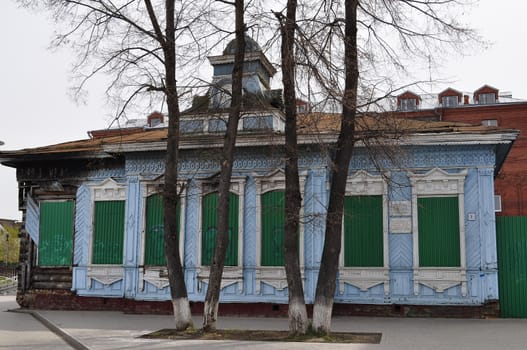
(139, 44)
(210, 312)
(375, 34)
(298, 321)
(326, 283)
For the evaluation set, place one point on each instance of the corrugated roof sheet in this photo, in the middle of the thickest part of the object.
(308, 124)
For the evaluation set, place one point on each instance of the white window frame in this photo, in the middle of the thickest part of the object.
(231, 274)
(489, 122)
(275, 276)
(439, 183)
(107, 190)
(363, 183)
(407, 105)
(487, 98)
(158, 275)
(450, 101)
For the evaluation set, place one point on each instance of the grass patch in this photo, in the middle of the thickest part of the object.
(261, 335)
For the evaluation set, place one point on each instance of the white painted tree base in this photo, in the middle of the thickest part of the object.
(182, 314)
(322, 318)
(210, 315)
(298, 320)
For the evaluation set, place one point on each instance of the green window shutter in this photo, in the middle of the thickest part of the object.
(273, 222)
(209, 223)
(56, 233)
(108, 232)
(363, 231)
(438, 223)
(155, 233)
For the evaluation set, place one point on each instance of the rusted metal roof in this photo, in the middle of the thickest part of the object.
(308, 124)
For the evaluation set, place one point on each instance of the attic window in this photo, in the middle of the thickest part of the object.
(217, 125)
(258, 122)
(155, 119)
(191, 126)
(487, 98)
(449, 101)
(301, 109)
(408, 104)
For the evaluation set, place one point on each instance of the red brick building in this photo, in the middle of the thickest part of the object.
(485, 106)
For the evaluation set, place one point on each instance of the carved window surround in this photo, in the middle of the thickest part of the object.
(155, 275)
(105, 274)
(231, 274)
(363, 183)
(439, 183)
(275, 275)
(107, 190)
(158, 275)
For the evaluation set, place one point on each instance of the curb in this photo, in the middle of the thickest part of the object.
(69, 339)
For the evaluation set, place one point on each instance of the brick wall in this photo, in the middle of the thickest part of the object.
(511, 182)
(65, 300)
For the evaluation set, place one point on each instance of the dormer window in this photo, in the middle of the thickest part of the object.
(450, 98)
(408, 104)
(488, 98)
(155, 119)
(302, 106)
(408, 101)
(486, 95)
(449, 101)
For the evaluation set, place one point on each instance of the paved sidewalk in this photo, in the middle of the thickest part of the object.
(22, 331)
(113, 330)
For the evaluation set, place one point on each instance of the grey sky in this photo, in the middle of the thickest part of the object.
(36, 109)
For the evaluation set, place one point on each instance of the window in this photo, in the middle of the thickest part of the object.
(154, 230)
(449, 101)
(191, 126)
(258, 122)
(408, 104)
(363, 262)
(438, 227)
(209, 222)
(487, 98)
(273, 222)
(438, 220)
(363, 231)
(108, 232)
(217, 125)
(497, 203)
(56, 233)
(489, 122)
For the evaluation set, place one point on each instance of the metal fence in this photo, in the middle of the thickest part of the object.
(8, 278)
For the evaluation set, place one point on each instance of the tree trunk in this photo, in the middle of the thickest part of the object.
(210, 312)
(326, 283)
(297, 312)
(176, 275)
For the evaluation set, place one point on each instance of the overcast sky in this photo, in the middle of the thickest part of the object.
(36, 109)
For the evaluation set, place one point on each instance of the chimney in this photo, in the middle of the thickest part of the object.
(465, 99)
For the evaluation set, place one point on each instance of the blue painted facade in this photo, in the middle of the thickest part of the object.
(129, 280)
(432, 164)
